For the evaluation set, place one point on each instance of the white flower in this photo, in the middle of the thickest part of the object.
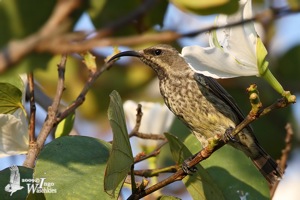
(156, 119)
(14, 137)
(13, 134)
(235, 51)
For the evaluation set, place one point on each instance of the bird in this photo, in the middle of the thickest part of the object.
(202, 104)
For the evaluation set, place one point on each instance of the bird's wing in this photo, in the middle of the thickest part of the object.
(221, 93)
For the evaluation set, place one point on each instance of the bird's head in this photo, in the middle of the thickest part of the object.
(163, 59)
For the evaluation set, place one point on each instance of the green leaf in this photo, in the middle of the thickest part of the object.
(233, 172)
(294, 4)
(25, 176)
(208, 7)
(104, 12)
(89, 60)
(65, 126)
(20, 19)
(73, 168)
(120, 159)
(200, 185)
(164, 197)
(10, 98)
(13, 79)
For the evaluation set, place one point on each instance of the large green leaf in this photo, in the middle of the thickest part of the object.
(11, 173)
(120, 159)
(10, 98)
(233, 172)
(208, 7)
(73, 168)
(200, 185)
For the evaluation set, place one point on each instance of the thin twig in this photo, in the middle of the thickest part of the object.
(284, 155)
(31, 130)
(155, 172)
(135, 131)
(149, 136)
(81, 97)
(154, 153)
(139, 115)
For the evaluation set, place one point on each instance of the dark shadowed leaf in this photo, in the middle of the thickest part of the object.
(120, 159)
(104, 13)
(200, 185)
(233, 172)
(19, 19)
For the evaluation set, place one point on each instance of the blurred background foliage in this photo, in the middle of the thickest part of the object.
(114, 20)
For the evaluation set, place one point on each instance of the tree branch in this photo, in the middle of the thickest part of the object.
(31, 130)
(81, 97)
(53, 37)
(50, 121)
(217, 141)
(284, 155)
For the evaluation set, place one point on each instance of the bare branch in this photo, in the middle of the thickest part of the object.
(53, 37)
(284, 155)
(50, 121)
(81, 97)
(31, 130)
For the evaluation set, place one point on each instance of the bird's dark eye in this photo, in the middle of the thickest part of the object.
(157, 52)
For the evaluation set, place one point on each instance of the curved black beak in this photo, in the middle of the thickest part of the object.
(125, 53)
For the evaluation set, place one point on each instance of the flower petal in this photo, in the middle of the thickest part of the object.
(216, 63)
(240, 40)
(156, 119)
(13, 134)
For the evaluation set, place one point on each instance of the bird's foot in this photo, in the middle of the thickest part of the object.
(186, 168)
(228, 136)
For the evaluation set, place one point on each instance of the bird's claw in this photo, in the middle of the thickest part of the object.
(228, 136)
(185, 166)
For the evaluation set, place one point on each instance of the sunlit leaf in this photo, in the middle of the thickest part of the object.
(200, 185)
(89, 61)
(208, 7)
(10, 98)
(233, 172)
(120, 159)
(65, 126)
(74, 167)
(13, 79)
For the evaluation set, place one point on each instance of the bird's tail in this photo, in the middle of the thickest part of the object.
(267, 166)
